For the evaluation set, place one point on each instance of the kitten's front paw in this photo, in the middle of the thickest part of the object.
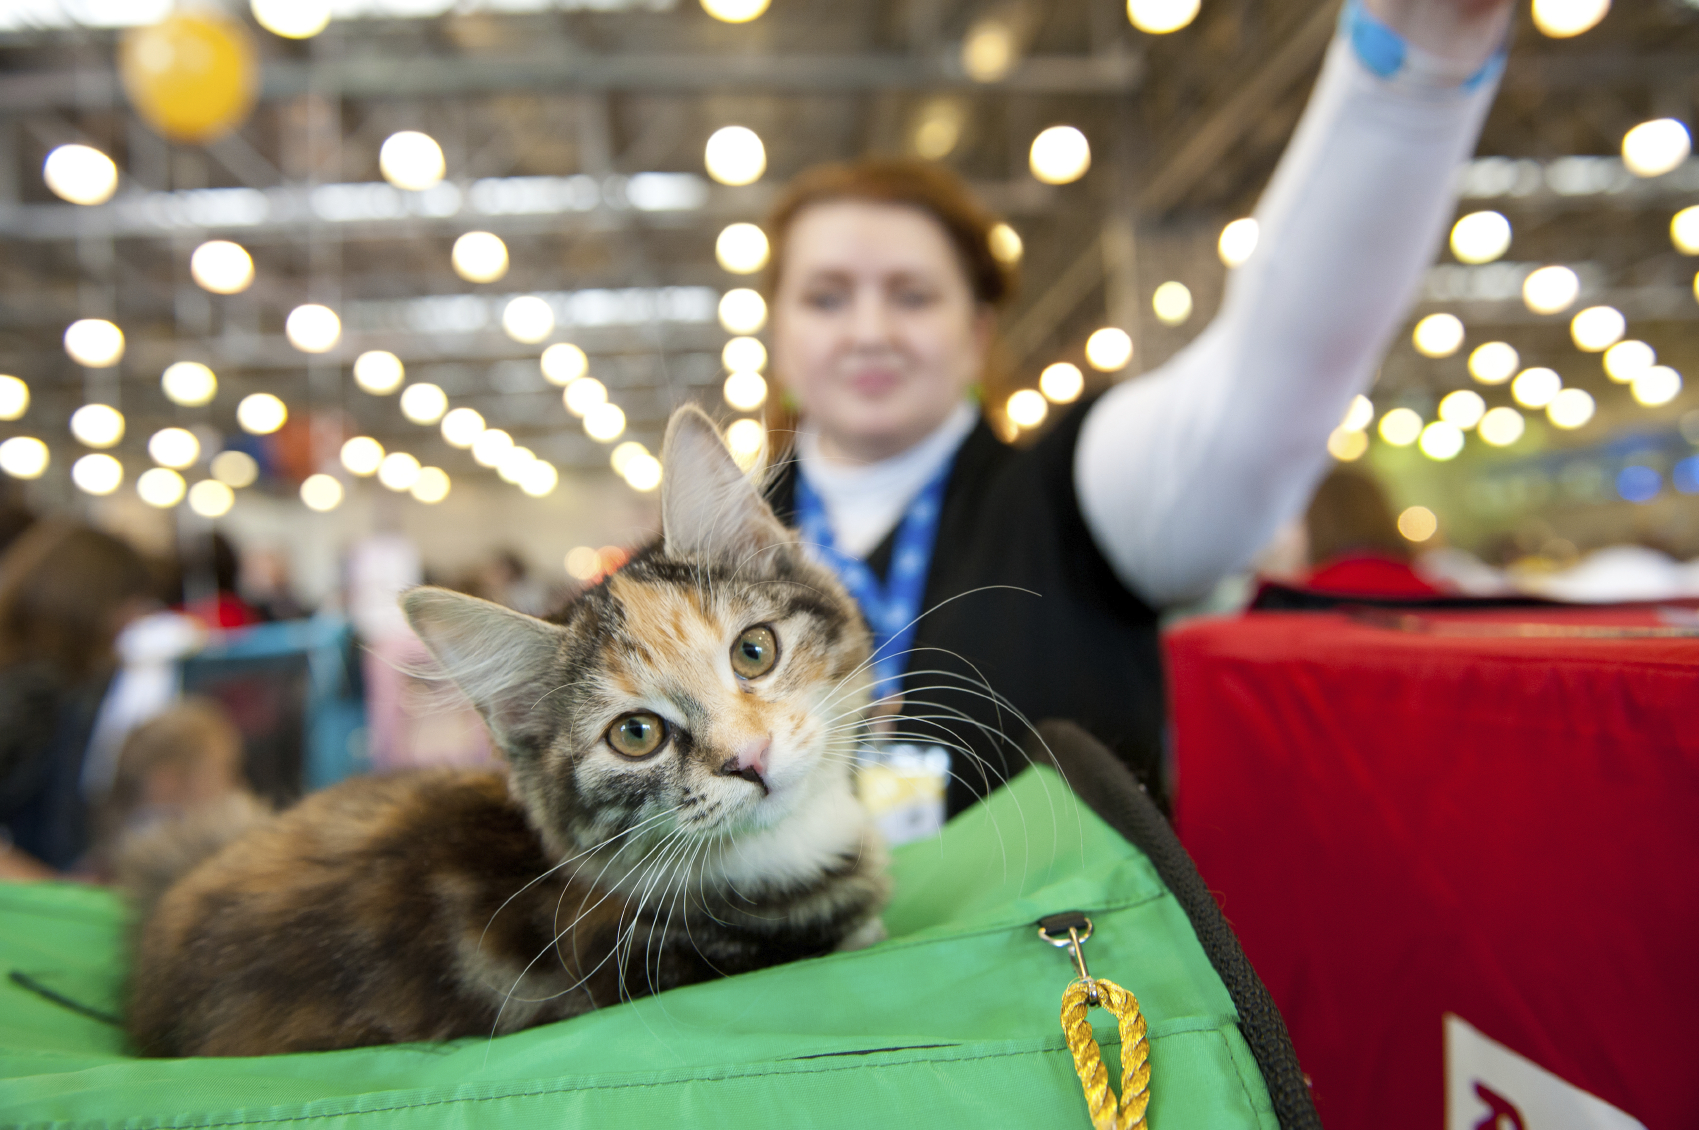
(867, 934)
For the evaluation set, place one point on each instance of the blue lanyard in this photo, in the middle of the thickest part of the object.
(891, 608)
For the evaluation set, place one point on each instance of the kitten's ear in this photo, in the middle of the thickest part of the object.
(499, 657)
(709, 507)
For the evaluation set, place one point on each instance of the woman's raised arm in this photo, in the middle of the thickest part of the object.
(1184, 472)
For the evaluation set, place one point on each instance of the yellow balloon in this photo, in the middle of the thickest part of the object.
(192, 76)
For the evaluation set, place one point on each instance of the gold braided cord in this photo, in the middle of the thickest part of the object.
(1108, 1113)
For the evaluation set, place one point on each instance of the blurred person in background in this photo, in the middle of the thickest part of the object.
(266, 586)
(66, 591)
(1042, 571)
(210, 568)
(1354, 544)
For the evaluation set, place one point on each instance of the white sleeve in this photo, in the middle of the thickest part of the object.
(1183, 473)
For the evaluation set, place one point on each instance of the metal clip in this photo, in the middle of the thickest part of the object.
(1078, 928)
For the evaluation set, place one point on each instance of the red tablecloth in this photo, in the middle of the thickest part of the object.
(1407, 821)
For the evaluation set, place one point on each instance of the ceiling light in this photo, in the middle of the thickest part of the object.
(1438, 335)
(734, 11)
(398, 471)
(232, 468)
(1480, 237)
(1684, 230)
(735, 156)
(584, 394)
(1570, 408)
(624, 454)
(362, 455)
(211, 499)
(746, 439)
(461, 427)
(189, 383)
(411, 160)
(1494, 362)
(1347, 445)
(1561, 19)
(94, 343)
(1238, 240)
(321, 492)
(261, 413)
(97, 425)
(528, 319)
(1172, 303)
(744, 355)
(1627, 359)
(160, 487)
(1359, 415)
(14, 398)
(221, 267)
(174, 447)
(1462, 409)
(1005, 241)
(1027, 407)
(1109, 349)
(292, 19)
(1653, 148)
(423, 403)
(741, 249)
(989, 50)
(939, 129)
(1441, 441)
(479, 257)
(490, 446)
(1655, 386)
(1400, 427)
(313, 328)
(1159, 17)
(604, 422)
(379, 372)
(1597, 328)
(1060, 155)
(564, 363)
(742, 311)
(23, 457)
(1535, 388)
(1551, 290)
(745, 391)
(514, 462)
(1061, 383)
(1417, 523)
(1501, 427)
(80, 174)
(539, 479)
(97, 474)
(642, 472)
(432, 485)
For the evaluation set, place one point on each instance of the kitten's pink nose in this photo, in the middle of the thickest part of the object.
(750, 763)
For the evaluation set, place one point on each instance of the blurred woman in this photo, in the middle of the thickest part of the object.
(65, 593)
(1041, 572)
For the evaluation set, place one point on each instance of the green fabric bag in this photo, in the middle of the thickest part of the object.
(951, 1022)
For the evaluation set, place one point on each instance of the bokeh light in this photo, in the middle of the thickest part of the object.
(432, 485)
(80, 174)
(563, 362)
(584, 394)
(1400, 427)
(1597, 328)
(362, 455)
(1060, 155)
(1627, 359)
(461, 427)
(1535, 388)
(94, 343)
(1006, 245)
(1657, 385)
(625, 453)
(399, 471)
(989, 50)
(490, 446)
(1347, 445)
(1562, 19)
(292, 19)
(479, 257)
(1480, 237)
(321, 492)
(1684, 230)
(261, 413)
(604, 423)
(14, 398)
(23, 457)
(745, 391)
(1109, 349)
(642, 472)
(97, 474)
(1501, 426)
(174, 447)
(1654, 148)
(1359, 414)
(1027, 407)
(1438, 335)
(221, 267)
(735, 156)
(411, 160)
(97, 425)
(744, 355)
(1417, 523)
(1441, 441)
(1638, 483)
(313, 328)
(1570, 408)
(539, 479)
(512, 466)
(379, 372)
(234, 469)
(528, 319)
(1551, 290)
(1494, 362)
(211, 498)
(423, 403)
(160, 487)
(1172, 303)
(1061, 383)
(745, 438)
(741, 249)
(742, 311)
(1462, 409)
(189, 384)
(1159, 17)
(1238, 240)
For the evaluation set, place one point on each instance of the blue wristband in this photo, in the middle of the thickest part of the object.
(1385, 53)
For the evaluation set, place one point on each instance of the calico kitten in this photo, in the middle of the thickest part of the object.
(676, 806)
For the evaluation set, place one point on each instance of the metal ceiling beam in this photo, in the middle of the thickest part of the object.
(382, 79)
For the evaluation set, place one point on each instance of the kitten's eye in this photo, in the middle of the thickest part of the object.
(755, 652)
(637, 735)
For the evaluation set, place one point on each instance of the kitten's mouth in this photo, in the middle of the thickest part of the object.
(754, 777)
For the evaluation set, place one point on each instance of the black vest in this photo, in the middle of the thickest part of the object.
(1022, 600)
